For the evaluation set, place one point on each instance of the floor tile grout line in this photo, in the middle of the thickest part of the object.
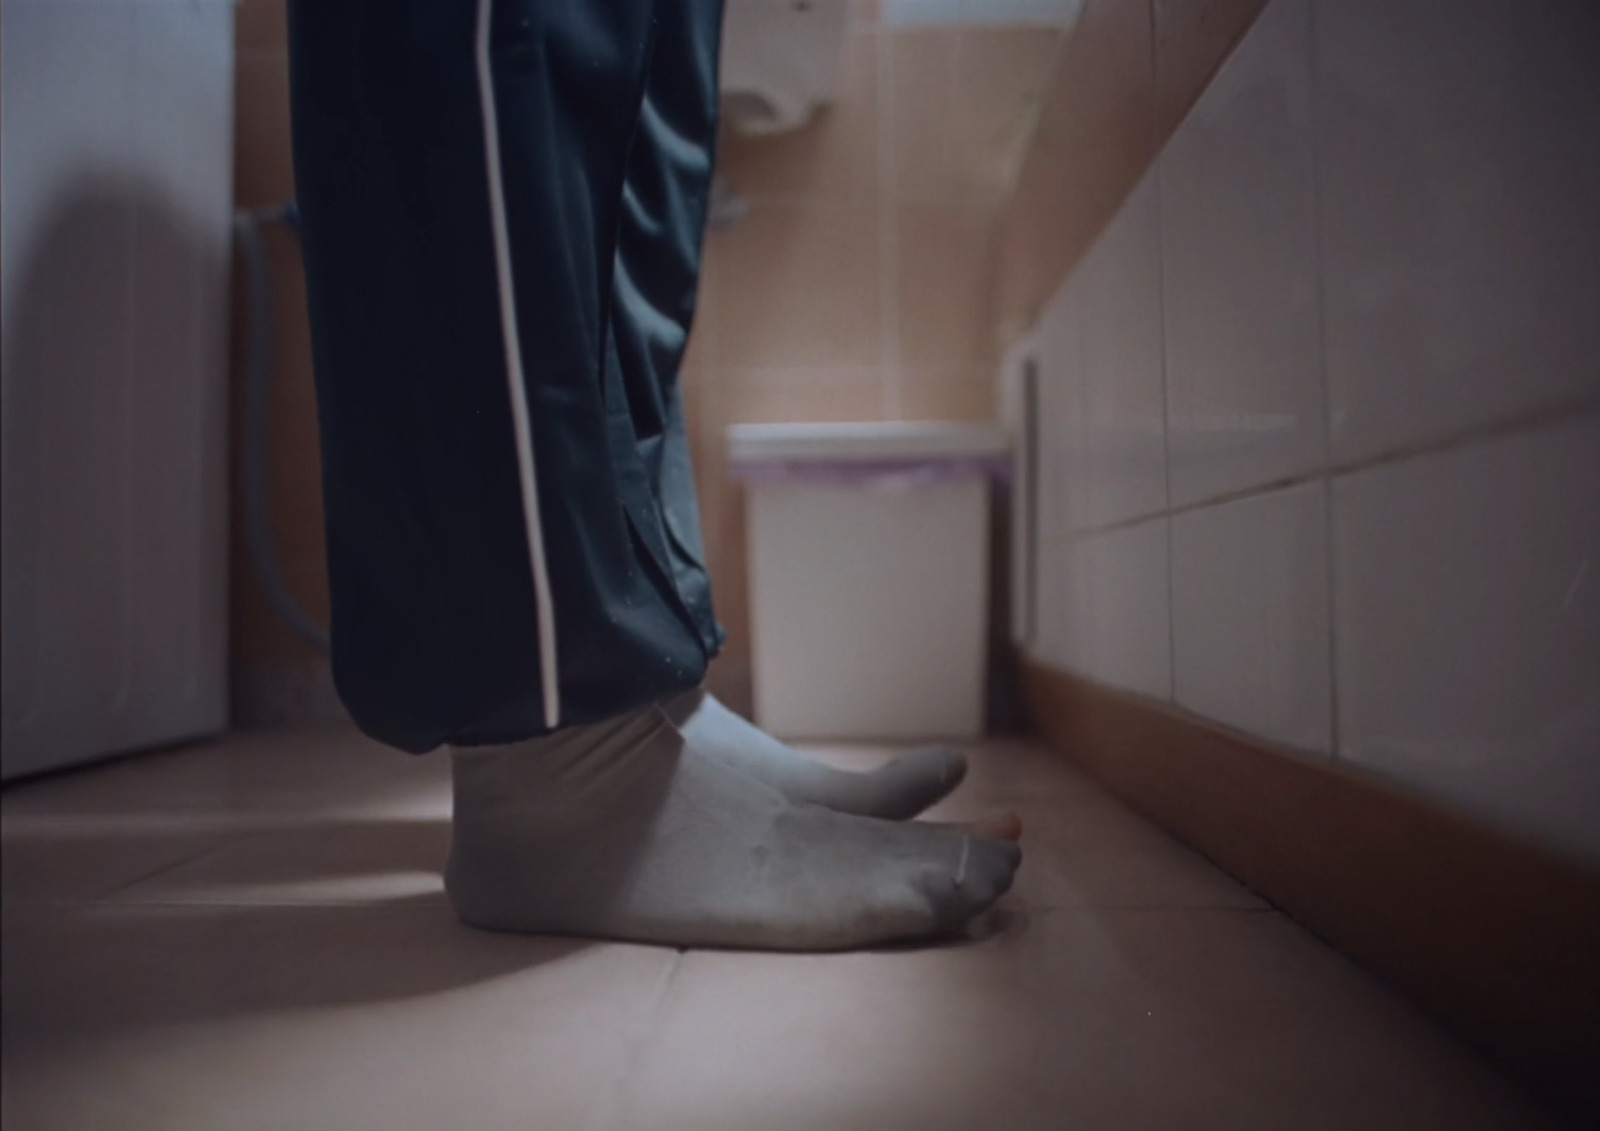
(612, 1108)
(888, 214)
(239, 904)
(209, 850)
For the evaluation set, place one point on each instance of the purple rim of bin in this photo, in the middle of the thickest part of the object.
(921, 471)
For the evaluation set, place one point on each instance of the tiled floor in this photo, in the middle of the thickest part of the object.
(252, 934)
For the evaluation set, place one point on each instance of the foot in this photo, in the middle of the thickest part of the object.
(899, 790)
(625, 830)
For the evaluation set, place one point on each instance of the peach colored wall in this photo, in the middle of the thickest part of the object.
(857, 288)
(276, 676)
(1128, 74)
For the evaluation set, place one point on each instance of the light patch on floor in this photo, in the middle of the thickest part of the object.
(252, 933)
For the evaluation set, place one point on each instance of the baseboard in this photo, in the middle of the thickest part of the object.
(1498, 938)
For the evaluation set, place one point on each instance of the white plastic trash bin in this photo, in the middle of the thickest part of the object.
(869, 575)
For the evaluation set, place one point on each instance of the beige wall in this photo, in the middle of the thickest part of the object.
(1128, 74)
(276, 677)
(857, 288)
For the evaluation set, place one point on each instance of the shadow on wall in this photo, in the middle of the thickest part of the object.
(276, 676)
(114, 601)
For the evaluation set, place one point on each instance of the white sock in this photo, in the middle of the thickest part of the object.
(624, 830)
(901, 789)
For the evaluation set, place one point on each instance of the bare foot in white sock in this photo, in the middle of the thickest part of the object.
(895, 791)
(624, 830)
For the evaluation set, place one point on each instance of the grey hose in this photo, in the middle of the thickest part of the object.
(258, 384)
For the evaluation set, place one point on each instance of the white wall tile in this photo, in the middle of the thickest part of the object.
(1467, 613)
(1050, 642)
(1239, 265)
(1250, 615)
(1119, 444)
(1119, 632)
(1062, 470)
(1458, 172)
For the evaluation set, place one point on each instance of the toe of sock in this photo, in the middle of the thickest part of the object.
(983, 874)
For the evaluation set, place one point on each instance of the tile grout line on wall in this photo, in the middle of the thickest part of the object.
(1534, 420)
(1320, 308)
(888, 229)
(1166, 424)
(127, 373)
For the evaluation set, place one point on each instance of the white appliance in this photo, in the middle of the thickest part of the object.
(116, 197)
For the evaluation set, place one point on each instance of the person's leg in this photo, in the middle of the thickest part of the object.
(505, 579)
(496, 558)
(624, 830)
(655, 292)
